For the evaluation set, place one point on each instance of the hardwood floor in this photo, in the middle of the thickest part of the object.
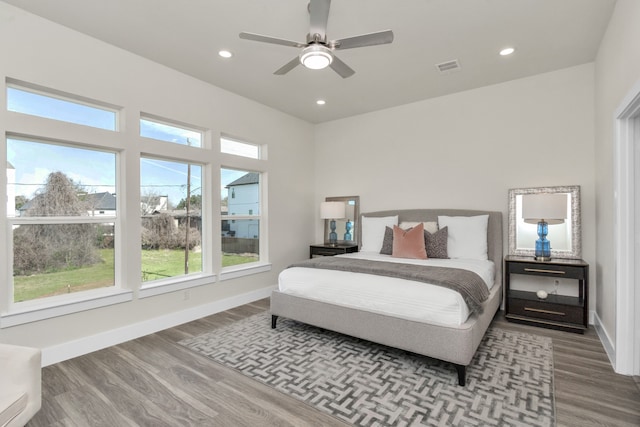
(152, 381)
(588, 391)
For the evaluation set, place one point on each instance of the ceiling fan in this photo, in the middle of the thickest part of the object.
(317, 52)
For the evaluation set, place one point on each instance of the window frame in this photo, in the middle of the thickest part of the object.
(15, 313)
(261, 148)
(175, 124)
(184, 281)
(262, 264)
(129, 148)
(62, 96)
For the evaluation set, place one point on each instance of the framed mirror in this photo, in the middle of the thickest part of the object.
(345, 227)
(565, 238)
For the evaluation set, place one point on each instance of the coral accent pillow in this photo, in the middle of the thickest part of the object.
(409, 243)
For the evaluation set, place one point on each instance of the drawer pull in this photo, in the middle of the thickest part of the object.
(538, 310)
(540, 270)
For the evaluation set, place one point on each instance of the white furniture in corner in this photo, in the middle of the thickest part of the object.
(20, 384)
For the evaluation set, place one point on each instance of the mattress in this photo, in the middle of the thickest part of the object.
(401, 298)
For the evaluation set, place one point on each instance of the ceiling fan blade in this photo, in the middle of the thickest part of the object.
(319, 15)
(272, 40)
(288, 66)
(341, 68)
(372, 39)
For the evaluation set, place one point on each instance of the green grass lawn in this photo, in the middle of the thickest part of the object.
(156, 264)
(80, 279)
(163, 263)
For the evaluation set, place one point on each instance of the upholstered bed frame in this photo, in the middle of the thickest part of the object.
(455, 344)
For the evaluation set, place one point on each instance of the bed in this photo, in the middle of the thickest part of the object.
(339, 301)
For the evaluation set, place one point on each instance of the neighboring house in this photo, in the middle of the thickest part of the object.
(150, 205)
(180, 217)
(97, 204)
(243, 199)
(100, 204)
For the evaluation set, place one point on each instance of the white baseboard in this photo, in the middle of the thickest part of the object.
(71, 349)
(605, 339)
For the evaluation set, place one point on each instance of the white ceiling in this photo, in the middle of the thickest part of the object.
(186, 35)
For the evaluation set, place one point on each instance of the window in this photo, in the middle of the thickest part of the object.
(61, 242)
(31, 102)
(171, 218)
(162, 131)
(240, 217)
(65, 213)
(238, 148)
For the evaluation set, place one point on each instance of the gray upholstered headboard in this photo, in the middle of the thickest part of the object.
(494, 229)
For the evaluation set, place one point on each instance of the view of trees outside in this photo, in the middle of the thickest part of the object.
(52, 259)
(49, 259)
(171, 218)
(42, 248)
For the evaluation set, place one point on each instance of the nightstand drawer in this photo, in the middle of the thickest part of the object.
(329, 250)
(549, 270)
(547, 311)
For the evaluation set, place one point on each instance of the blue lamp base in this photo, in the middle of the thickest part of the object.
(543, 246)
(348, 236)
(333, 236)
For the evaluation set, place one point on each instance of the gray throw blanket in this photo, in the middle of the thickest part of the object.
(471, 286)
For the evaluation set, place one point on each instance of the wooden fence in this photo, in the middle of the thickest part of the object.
(238, 245)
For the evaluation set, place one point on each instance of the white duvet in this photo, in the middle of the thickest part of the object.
(387, 295)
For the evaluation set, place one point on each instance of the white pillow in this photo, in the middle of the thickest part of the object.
(430, 226)
(467, 236)
(373, 232)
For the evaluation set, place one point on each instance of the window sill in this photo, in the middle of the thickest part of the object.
(244, 270)
(33, 311)
(159, 287)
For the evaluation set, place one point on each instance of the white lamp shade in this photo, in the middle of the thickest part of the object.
(332, 210)
(350, 212)
(552, 208)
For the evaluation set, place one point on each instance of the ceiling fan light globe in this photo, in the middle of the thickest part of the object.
(316, 57)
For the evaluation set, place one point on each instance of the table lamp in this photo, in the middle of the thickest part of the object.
(544, 210)
(332, 211)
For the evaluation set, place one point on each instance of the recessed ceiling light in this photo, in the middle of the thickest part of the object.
(507, 51)
(225, 54)
(321, 102)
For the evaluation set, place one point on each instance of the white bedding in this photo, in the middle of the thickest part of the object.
(386, 295)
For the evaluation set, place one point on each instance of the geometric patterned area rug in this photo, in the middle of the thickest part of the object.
(509, 381)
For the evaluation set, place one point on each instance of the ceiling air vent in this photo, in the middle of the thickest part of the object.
(448, 67)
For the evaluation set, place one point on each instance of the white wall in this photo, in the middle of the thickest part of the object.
(40, 52)
(467, 149)
(617, 69)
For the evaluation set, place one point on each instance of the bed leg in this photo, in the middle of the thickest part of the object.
(462, 371)
(274, 319)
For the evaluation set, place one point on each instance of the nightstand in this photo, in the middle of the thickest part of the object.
(329, 250)
(561, 312)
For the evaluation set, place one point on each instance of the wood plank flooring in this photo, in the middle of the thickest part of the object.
(152, 381)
